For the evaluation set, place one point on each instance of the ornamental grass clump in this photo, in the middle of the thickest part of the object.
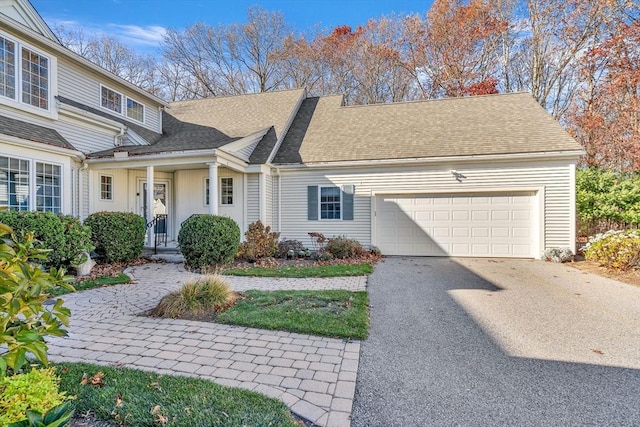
(207, 295)
(618, 250)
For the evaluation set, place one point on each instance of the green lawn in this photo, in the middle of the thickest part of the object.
(98, 282)
(335, 313)
(336, 270)
(137, 398)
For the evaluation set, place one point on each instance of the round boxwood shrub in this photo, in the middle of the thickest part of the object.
(208, 240)
(118, 236)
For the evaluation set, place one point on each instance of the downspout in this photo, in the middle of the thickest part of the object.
(279, 198)
(117, 139)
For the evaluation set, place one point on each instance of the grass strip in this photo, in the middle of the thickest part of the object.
(334, 313)
(138, 398)
(336, 270)
(85, 284)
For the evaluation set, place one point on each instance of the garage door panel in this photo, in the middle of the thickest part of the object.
(458, 225)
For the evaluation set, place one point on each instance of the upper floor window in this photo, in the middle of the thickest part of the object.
(7, 68)
(115, 101)
(135, 110)
(32, 85)
(111, 100)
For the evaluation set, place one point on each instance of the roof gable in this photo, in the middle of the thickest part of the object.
(24, 13)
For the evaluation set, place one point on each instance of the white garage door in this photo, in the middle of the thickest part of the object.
(492, 224)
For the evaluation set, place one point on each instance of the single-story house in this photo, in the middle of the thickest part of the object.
(476, 176)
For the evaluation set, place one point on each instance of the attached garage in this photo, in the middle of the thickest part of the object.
(492, 224)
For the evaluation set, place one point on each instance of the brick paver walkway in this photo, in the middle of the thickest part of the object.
(314, 376)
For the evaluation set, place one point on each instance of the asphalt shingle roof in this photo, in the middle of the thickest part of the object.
(326, 131)
(240, 116)
(32, 132)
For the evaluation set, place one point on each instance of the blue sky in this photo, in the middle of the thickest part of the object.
(141, 23)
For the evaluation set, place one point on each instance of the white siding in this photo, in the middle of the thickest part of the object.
(253, 197)
(553, 178)
(81, 85)
(84, 194)
(269, 200)
(190, 195)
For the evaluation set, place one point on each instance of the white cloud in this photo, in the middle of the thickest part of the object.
(150, 35)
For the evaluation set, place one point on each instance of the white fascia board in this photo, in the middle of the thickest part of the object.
(549, 155)
(137, 138)
(9, 23)
(171, 158)
(259, 169)
(79, 155)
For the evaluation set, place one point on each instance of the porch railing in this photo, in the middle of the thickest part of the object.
(158, 226)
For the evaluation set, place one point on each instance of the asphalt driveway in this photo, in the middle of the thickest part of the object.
(498, 342)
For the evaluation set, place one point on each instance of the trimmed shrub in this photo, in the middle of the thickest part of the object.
(207, 294)
(24, 319)
(48, 231)
(118, 236)
(33, 391)
(208, 240)
(260, 242)
(63, 235)
(619, 250)
(342, 247)
(78, 239)
(289, 245)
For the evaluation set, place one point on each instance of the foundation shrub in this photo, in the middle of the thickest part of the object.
(117, 236)
(260, 242)
(343, 248)
(209, 240)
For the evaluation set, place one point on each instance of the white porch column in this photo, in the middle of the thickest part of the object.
(213, 188)
(149, 212)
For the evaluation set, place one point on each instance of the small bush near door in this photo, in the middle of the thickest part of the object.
(118, 236)
(208, 240)
(260, 242)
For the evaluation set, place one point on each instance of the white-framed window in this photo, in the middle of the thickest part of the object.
(118, 103)
(25, 184)
(226, 191)
(110, 99)
(330, 203)
(106, 187)
(26, 75)
(135, 110)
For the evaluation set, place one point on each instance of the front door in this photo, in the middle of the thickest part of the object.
(161, 201)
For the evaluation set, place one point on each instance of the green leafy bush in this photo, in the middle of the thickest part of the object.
(63, 235)
(285, 246)
(24, 287)
(606, 199)
(196, 298)
(618, 250)
(342, 247)
(77, 239)
(118, 236)
(260, 242)
(36, 390)
(48, 231)
(208, 240)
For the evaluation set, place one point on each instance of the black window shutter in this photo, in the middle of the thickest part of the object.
(347, 202)
(312, 203)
